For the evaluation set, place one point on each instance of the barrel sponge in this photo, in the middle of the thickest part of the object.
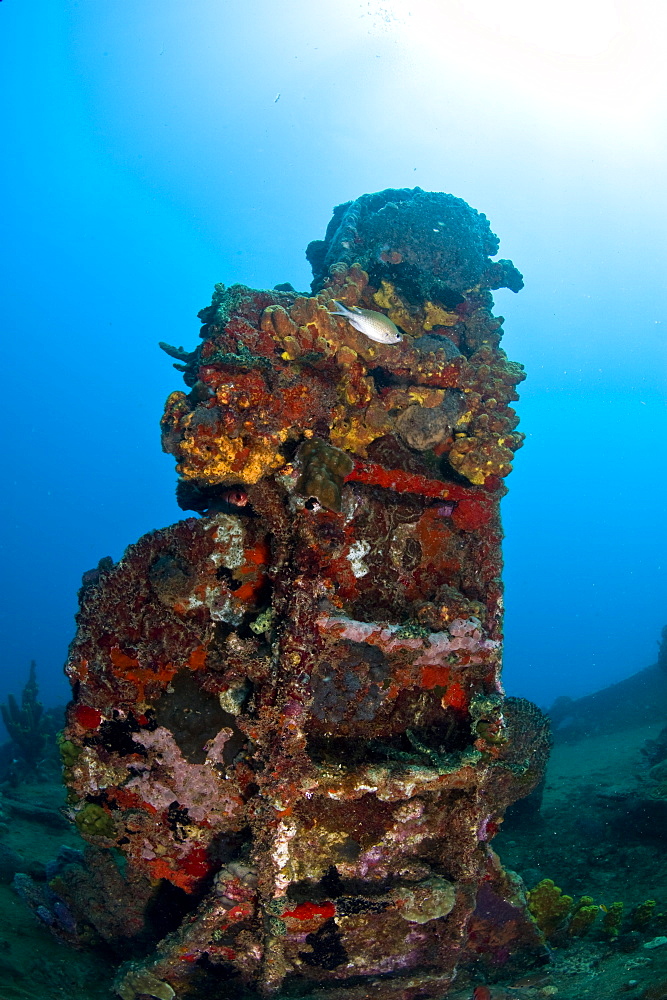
(434, 246)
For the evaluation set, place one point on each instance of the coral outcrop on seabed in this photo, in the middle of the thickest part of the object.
(287, 716)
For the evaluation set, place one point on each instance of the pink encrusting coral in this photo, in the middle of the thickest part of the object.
(287, 714)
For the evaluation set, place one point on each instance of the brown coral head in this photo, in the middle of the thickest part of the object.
(388, 256)
(323, 471)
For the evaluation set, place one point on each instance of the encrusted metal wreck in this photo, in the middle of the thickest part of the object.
(287, 715)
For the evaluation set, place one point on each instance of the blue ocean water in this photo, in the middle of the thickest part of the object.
(153, 149)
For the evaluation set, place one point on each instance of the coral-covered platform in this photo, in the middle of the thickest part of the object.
(287, 721)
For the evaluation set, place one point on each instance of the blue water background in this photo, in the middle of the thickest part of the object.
(153, 148)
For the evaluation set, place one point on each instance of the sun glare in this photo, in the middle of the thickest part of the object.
(597, 61)
(584, 28)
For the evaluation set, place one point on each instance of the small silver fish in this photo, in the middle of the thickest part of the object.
(374, 325)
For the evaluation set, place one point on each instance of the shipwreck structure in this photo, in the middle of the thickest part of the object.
(288, 744)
